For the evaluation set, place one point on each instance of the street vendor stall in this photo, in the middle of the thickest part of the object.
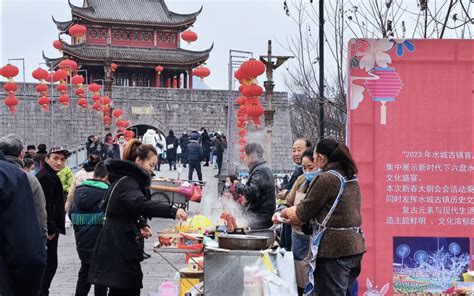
(216, 260)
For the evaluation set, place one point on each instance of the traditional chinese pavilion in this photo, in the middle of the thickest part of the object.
(127, 40)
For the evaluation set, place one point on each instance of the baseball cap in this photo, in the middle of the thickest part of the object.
(59, 149)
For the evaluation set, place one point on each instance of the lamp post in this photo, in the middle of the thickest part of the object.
(236, 58)
(24, 94)
(52, 98)
(271, 63)
(321, 69)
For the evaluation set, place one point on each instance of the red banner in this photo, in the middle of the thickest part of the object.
(411, 132)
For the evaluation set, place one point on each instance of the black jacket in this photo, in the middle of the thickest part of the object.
(116, 258)
(171, 153)
(53, 192)
(195, 152)
(260, 194)
(22, 251)
(220, 147)
(183, 142)
(206, 143)
(87, 216)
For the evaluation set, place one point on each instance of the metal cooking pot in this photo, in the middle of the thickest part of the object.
(268, 233)
(242, 242)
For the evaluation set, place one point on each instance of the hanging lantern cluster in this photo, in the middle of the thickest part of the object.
(61, 76)
(189, 36)
(42, 75)
(94, 88)
(250, 107)
(202, 72)
(78, 84)
(10, 71)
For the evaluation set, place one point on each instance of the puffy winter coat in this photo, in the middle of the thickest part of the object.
(116, 258)
(194, 151)
(87, 216)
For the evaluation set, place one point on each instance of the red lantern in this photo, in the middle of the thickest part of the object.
(242, 141)
(11, 101)
(113, 66)
(241, 100)
(96, 98)
(253, 90)
(242, 156)
(44, 102)
(82, 102)
(117, 113)
(240, 75)
(9, 71)
(201, 72)
(62, 87)
(64, 99)
(67, 65)
(241, 124)
(252, 101)
(253, 68)
(129, 134)
(256, 121)
(159, 69)
(57, 44)
(77, 30)
(242, 133)
(106, 110)
(189, 36)
(77, 80)
(125, 123)
(105, 100)
(254, 110)
(79, 92)
(40, 74)
(50, 78)
(60, 75)
(42, 88)
(107, 120)
(241, 113)
(118, 123)
(96, 106)
(10, 87)
(94, 87)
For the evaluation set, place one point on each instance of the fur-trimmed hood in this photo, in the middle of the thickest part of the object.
(119, 168)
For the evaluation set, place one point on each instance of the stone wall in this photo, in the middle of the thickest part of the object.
(165, 109)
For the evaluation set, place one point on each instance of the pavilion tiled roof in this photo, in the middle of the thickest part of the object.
(62, 26)
(138, 12)
(117, 54)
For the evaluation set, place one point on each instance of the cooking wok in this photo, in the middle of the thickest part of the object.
(242, 242)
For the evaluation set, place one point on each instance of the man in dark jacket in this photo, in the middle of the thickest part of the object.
(22, 251)
(53, 191)
(87, 218)
(220, 147)
(183, 142)
(171, 146)
(12, 147)
(297, 150)
(206, 146)
(195, 154)
(259, 191)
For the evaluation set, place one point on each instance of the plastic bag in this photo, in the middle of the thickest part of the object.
(286, 270)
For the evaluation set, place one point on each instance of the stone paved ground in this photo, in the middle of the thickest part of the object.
(155, 269)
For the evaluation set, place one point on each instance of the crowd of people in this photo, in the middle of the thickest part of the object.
(317, 215)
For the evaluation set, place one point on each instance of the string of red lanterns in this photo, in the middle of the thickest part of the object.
(42, 75)
(250, 107)
(10, 71)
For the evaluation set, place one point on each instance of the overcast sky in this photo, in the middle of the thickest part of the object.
(27, 29)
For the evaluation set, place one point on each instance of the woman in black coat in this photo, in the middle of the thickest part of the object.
(171, 146)
(117, 255)
(206, 146)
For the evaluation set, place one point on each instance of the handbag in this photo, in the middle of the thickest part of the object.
(197, 193)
